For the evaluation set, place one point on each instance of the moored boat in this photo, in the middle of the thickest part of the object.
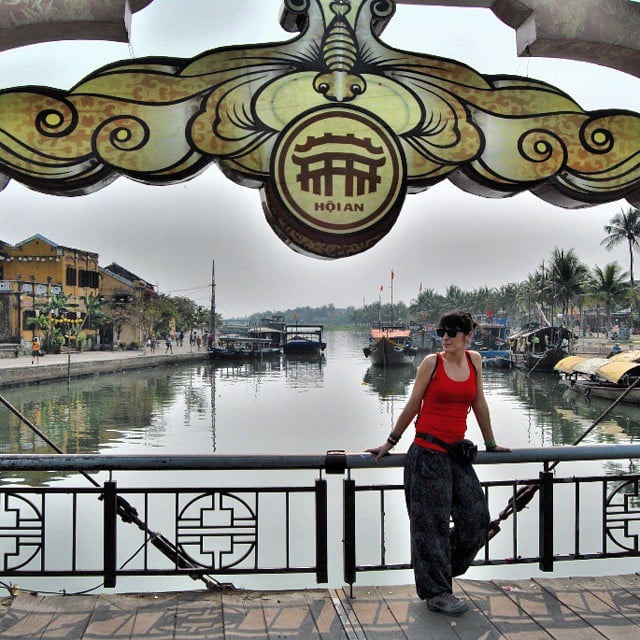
(303, 339)
(236, 347)
(491, 339)
(610, 378)
(272, 335)
(423, 338)
(390, 345)
(539, 349)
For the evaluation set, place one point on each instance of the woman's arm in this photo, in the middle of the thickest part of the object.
(411, 408)
(481, 408)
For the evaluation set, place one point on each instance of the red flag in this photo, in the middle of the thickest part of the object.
(420, 290)
(381, 287)
(393, 275)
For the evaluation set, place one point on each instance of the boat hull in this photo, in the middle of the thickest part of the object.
(304, 347)
(540, 349)
(219, 353)
(386, 352)
(605, 391)
(537, 362)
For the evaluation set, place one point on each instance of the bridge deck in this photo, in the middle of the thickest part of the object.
(603, 608)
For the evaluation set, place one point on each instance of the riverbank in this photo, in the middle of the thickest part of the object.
(20, 371)
(601, 347)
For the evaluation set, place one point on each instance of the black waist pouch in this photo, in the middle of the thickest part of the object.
(463, 451)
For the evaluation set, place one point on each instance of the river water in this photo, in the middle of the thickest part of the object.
(288, 405)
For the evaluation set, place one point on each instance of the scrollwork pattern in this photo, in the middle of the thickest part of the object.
(163, 120)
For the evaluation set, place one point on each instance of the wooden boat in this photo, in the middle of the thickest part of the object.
(390, 345)
(423, 338)
(272, 335)
(606, 378)
(539, 349)
(303, 339)
(491, 340)
(236, 347)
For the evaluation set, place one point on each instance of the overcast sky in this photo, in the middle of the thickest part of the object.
(170, 235)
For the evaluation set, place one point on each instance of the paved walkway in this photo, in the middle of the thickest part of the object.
(20, 370)
(606, 608)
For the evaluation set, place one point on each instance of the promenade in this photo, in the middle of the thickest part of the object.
(18, 371)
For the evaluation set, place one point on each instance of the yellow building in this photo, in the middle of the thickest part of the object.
(36, 269)
(121, 287)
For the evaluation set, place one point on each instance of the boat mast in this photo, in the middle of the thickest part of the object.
(212, 313)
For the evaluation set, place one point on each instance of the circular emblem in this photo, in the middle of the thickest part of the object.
(337, 182)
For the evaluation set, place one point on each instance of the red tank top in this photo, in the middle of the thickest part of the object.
(445, 406)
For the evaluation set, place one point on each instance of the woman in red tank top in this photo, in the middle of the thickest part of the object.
(439, 489)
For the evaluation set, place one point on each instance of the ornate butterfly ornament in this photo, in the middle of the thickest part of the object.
(334, 127)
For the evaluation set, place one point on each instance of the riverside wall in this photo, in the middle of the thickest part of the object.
(49, 368)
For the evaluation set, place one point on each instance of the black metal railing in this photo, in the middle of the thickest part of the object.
(281, 516)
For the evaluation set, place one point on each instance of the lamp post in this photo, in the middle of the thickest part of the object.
(68, 323)
(20, 325)
(33, 306)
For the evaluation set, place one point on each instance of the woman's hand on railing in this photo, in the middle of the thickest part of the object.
(498, 449)
(381, 451)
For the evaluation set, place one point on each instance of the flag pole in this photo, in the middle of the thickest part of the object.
(392, 277)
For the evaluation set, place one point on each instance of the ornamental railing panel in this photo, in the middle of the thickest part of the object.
(293, 515)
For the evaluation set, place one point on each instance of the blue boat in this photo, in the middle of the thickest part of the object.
(303, 339)
(491, 340)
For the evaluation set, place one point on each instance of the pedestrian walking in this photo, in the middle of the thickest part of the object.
(35, 350)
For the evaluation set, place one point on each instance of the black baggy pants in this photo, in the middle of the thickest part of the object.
(438, 490)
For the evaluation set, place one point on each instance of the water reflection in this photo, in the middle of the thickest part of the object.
(294, 405)
(304, 370)
(283, 405)
(390, 383)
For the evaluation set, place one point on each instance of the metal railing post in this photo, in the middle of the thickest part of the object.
(322, 571)
(110, 539)
(349, 537)
(546, 520)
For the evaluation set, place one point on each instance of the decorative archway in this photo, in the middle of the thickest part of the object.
(334, 127)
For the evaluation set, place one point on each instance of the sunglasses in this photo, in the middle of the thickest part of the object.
(452, 333)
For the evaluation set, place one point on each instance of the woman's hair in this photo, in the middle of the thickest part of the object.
(458, 320)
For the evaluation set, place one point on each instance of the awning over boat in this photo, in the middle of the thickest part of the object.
(608, 368)
(613, 371)
(390, 333)
(626, 356)
(590, 366)
(566, 364)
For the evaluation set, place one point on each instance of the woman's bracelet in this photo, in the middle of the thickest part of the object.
(393, 439)
(490, 444)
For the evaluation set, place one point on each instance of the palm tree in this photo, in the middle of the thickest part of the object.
(94, 312)
(42, 325)
(57, 308)
(607, 285)
(625, 227)
(429, 304)
(458, 299)
(568, 275)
